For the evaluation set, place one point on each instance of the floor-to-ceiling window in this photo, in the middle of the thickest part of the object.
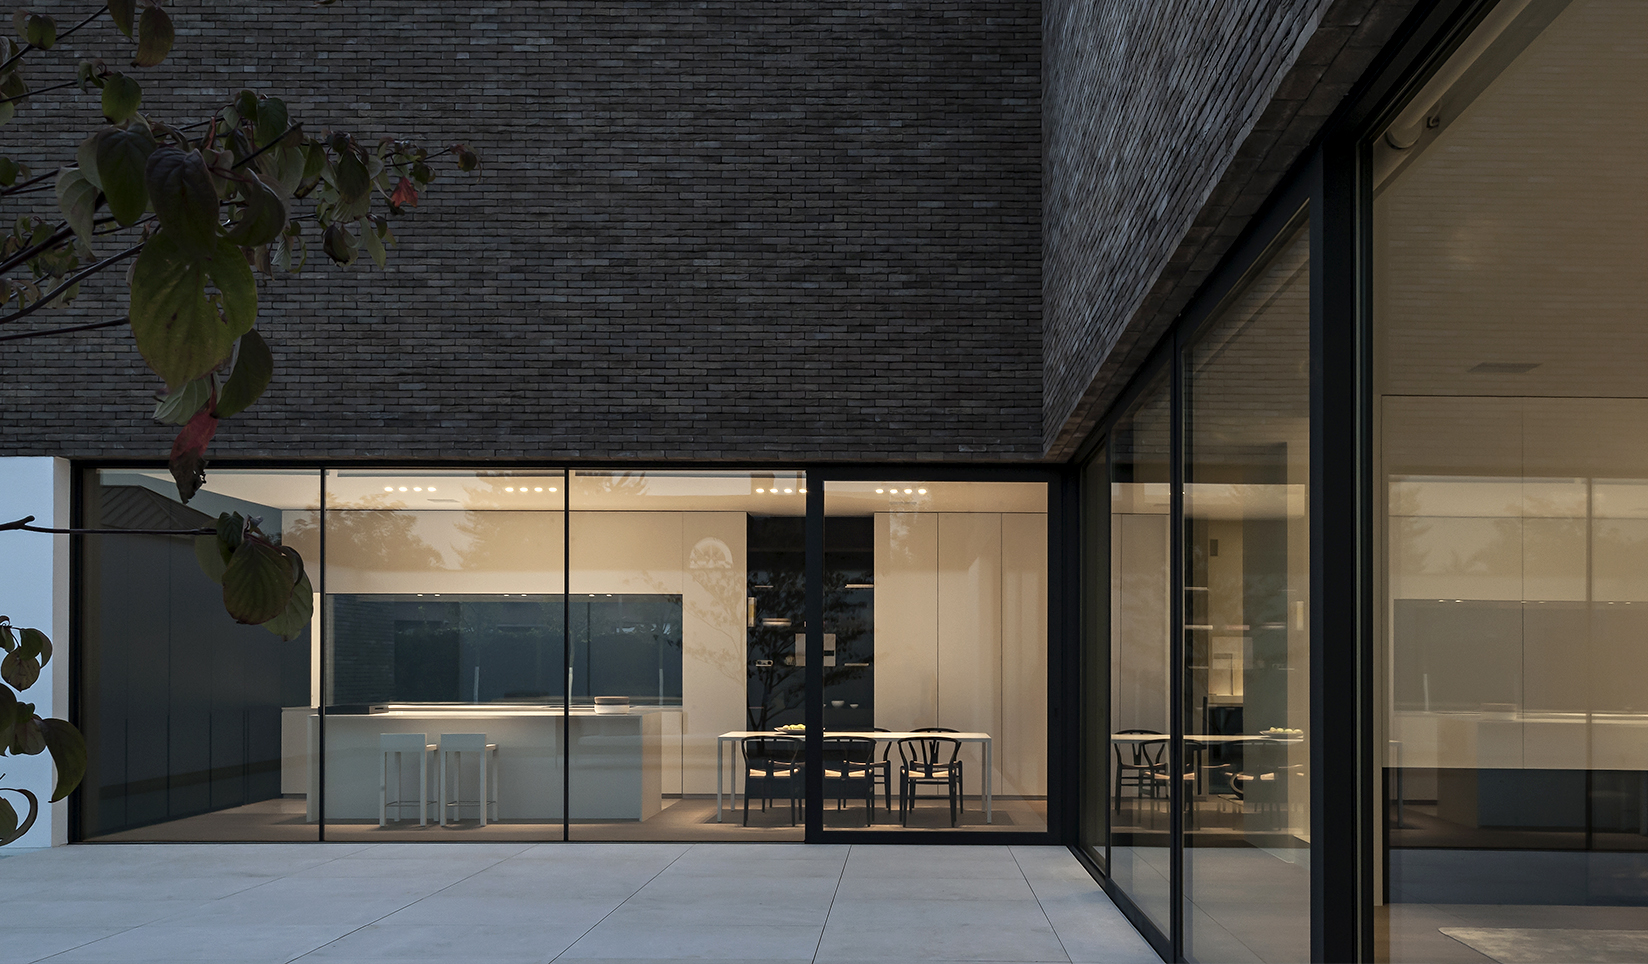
(1246, 683)
(1510, 229)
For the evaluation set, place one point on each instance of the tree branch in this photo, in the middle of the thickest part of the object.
(31, 181)
(62, 234)
(23, 525)
(60, 37)
(64, 331)
(43, 90)
(253, 156)
(46, 299)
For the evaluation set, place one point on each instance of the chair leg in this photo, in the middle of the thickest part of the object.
(746, 802)
(482, 787)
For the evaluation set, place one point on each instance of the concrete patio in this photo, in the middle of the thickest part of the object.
(506, 903)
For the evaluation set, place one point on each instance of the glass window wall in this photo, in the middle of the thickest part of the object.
(1508, 287)
(935, 655)
(197, 727)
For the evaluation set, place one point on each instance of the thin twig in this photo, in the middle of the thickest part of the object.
(23, 524)
(71, 282)
(253, 156)
(64, 331)
(23, 184)
(60, 37)
(62, 234)
(43, 90)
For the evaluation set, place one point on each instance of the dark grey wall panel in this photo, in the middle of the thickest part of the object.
(717, 229)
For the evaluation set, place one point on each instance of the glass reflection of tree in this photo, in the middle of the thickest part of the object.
(773, 666)
(372, 537)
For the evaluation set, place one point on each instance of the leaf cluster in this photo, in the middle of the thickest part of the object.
(264, 583)
(25, 732)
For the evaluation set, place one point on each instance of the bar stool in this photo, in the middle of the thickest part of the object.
(456, 745)
(400, 744)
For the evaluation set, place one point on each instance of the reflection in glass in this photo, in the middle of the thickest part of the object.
(693, 584)
(1093, 820)
(1140, 635)
(445, 616)
(1508, 246)
(196, 726)
(1246, 624)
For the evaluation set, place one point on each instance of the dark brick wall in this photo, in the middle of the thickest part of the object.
(721, 230)
(1167, 124)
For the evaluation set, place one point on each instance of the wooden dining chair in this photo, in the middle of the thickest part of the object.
(928, 761)
(1146, 760)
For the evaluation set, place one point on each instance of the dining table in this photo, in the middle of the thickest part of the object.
(880, 736)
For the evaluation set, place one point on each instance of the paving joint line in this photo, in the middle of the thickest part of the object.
(621, 903)
(1012, 852)
(833, 894)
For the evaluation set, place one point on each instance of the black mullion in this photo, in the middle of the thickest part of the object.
(320, 709)
(566, 657)
(1338, 687)
(813, 770)
(1176, 655)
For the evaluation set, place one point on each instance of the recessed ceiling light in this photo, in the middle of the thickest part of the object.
(509, 488)
(417, 488)
(879, 491)
(921, 491)
(432, 488)
(906, 491)
(403, 488)
(803, 491)
(760, 490)
(389, 488)
(788, 491)
(552, 488)
(538, 488)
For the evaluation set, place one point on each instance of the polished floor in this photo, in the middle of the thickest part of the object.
(504, 903)
(689, 820)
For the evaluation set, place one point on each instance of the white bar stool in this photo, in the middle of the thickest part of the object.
(400, 744)
(457, 744)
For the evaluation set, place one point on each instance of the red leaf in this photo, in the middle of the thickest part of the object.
(405, 196)
(188, 462)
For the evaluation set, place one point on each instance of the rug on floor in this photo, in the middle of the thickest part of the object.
(1529, 945)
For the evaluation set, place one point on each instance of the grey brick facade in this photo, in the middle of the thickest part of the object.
(711, 230)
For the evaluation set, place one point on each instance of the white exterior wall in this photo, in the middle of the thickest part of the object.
(34, 592)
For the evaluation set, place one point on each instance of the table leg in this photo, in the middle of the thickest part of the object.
(989, 814)
(720, 772)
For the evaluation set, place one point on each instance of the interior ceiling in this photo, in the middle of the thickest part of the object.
(764, 493)
(1510, 253)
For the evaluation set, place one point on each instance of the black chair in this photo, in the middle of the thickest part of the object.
(850, 769)
(961, 765)
(1146, 763)
(884, 767)
(928, 760)
(772, 768)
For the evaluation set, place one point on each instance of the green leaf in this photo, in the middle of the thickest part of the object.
(291, 623)
(185, 202)
(179, 330)
(35, 644)
(339, 244)
(154, 37)
(122, 159)
(271, 120)
(8, 820)
(246, 103)
(77, 199)
(19, 671)
(254, 367)
(42, 31)
(68, 751)
(210, 558)
(258, 584)
(26, 738)
(11, 87)
(86, 156)
(121, 11)
(353, 181)
(8, 171)
(180, 406)
(121, 96)
(374, 247)
(8, 716)
(262, 218)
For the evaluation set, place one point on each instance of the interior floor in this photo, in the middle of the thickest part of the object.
(690, 819)
(1413, 932)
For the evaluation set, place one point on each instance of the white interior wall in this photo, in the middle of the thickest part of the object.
(961, 634)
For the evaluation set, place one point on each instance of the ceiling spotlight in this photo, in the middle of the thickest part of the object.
(760, 490)
(509, 488)
(879, 491)
(389, 488)
(921, 491)
(552, 488)
(417, 488)
(788, 491)
(538, 488)
(432, 488)
(403, 488)
(906, 491)
(803, 491)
